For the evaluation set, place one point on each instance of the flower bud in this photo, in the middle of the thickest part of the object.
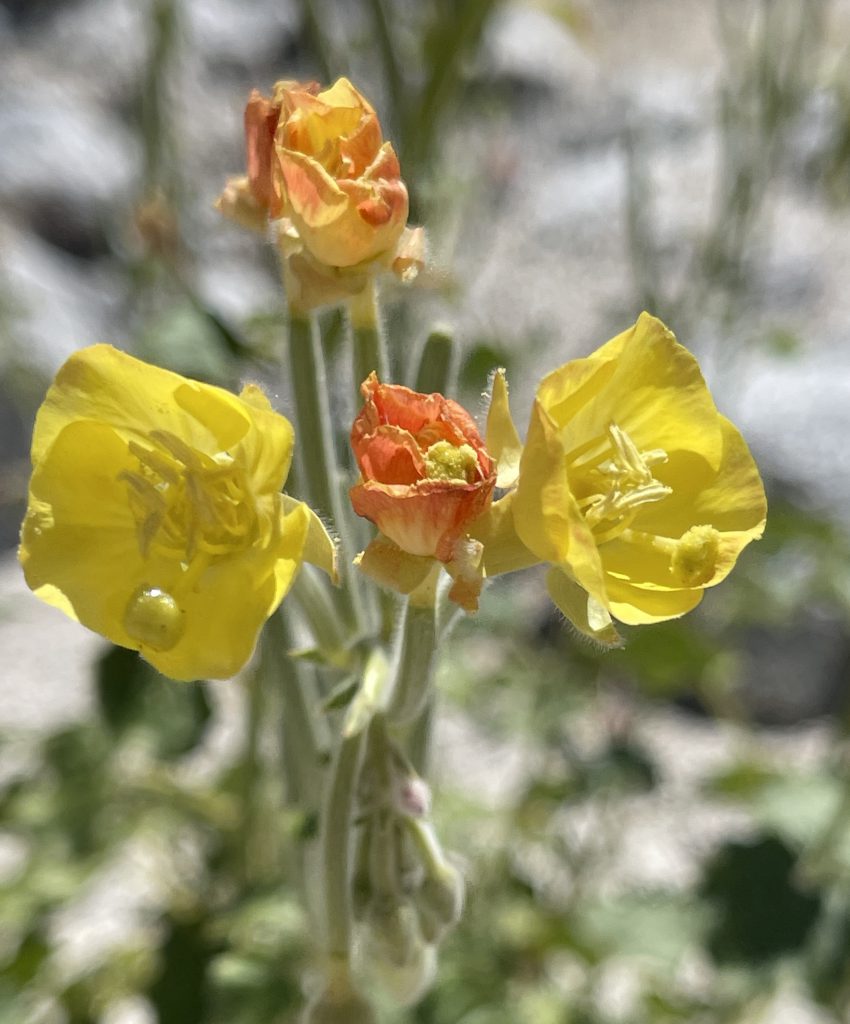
(391, 932)
(442, 895)
(407, 983)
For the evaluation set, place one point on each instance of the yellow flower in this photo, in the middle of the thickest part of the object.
(631, 484)
(155, 515)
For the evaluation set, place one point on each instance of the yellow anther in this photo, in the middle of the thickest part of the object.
(626, 483)
(446, 461)
(694, 558)
(186, 502)
(153, 618)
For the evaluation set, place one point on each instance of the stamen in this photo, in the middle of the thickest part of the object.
(446, 461)
(187, 504)
(626, 480)
(693, 557)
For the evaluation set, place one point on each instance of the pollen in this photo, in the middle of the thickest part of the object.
(154, 619)
(694, 558)
(452, 463)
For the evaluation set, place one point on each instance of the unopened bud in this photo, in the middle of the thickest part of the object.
(442, 894)
(391, 932)
(413, 797)
(406, 984)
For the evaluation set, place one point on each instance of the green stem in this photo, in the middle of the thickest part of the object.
(312, 413)
(414, 667)
(392, 68)
(369, 353)
(318, 463)
(305, 735)
(316, 604)
(436, 363)
(336, 846)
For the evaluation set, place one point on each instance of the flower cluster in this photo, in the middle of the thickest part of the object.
(318, 167)
(154, 500)
(630, 484)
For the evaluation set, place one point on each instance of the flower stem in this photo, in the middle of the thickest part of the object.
(369, 347)
(336, 845)
(435, 371)
(414, 666)
(318, 466)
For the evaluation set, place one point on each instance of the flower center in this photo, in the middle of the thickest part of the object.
(620, 480)
(187, 503)
(455, 463)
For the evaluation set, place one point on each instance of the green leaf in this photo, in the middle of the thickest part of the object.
(132, 694)
(760, 911)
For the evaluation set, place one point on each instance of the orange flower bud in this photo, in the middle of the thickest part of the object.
(316, 160)
(426, 473)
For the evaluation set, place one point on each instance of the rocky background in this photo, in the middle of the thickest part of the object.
(584, 161)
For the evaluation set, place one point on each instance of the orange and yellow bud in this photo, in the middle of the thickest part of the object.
(317, 164)
(426, 473)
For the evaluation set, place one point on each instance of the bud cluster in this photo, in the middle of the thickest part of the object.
(406, 895)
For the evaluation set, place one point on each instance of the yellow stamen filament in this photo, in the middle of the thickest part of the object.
(626, 483)
(446, 461)
(188, 504)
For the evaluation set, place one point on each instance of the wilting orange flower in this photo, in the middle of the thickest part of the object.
(317, 162)
(426, 476)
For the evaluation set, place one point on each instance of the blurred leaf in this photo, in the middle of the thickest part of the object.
(666, 660)
(782, 342)
(178, 991)
(23, 966)
(188, 340)
(760, 913)
(660, 925)
(479, 362)
(743, 781)
(827, 961)
(132, 694)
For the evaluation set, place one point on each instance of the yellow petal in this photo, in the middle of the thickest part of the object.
(503, 550)
(319, 547)
(547, 518)
(644, 381)
(586, 613)
(503, 441)
(266, 449)
(102, 383)
(637, 606)
(384, 562)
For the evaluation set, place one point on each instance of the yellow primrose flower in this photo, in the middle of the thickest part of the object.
(631, 484)
(155, 515)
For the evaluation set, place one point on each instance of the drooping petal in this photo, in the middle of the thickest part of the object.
(588, 615)
(384, 562)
